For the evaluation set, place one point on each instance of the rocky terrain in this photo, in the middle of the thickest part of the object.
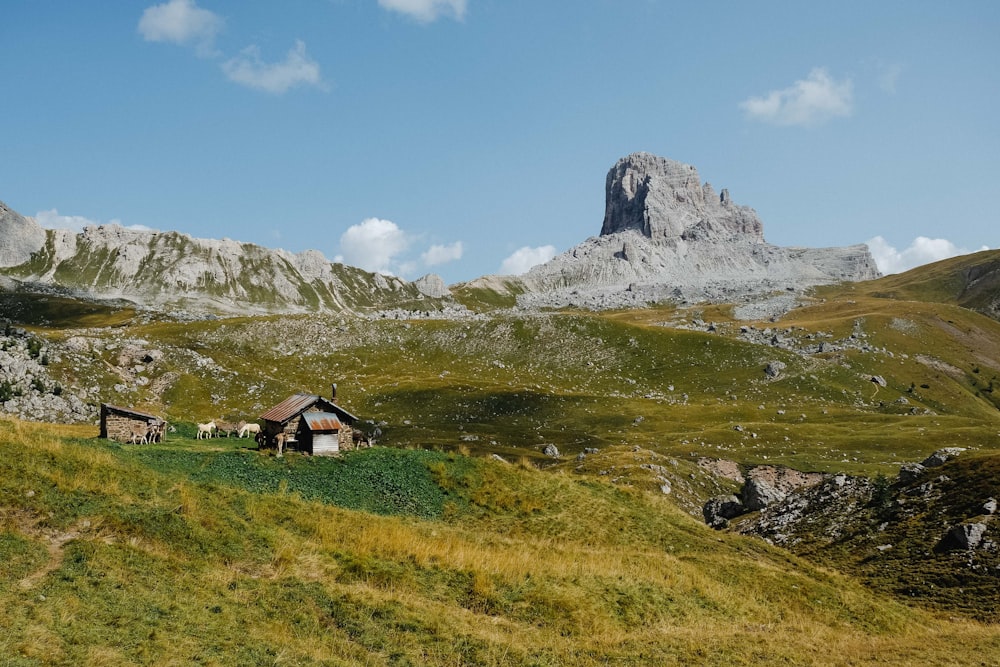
(27, 389)
(928, 533)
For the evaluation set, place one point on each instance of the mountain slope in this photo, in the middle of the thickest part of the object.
(184, 553)
(971, 281)
(171, 270)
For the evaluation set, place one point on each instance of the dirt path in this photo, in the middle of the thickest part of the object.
(54, 542)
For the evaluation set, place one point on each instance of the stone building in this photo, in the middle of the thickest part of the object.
(310, 424)
(128, 425)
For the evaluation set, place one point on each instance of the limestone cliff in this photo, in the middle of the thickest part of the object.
(667, 235)
(19, 237)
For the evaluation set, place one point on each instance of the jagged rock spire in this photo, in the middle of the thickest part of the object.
(666, 201)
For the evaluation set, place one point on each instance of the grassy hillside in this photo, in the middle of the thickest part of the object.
(971, 281)
(507, 385)
(429, 551)
(205, 553)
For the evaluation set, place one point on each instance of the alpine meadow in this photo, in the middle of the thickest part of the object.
(675, 443)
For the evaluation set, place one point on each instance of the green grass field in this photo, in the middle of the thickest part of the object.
(427, 550)
(200, 553)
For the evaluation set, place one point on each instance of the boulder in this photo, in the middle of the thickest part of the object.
(941, 456)
(718, 510)
(551, 450)
(759, 493)
(774, 368)
(962, 536)
(910, 471)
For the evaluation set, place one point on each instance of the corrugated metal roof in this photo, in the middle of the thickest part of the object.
(290, 407)
(322, 421)
(298, 403)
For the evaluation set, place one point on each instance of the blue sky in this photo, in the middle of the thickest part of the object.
(466, 137)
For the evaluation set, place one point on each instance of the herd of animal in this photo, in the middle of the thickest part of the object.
(215, 429)
(142, 433)
(151, 431)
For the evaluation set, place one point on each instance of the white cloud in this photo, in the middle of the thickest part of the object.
(811, 101)
(524, 258)
(373, 245)
(52, 220)
(180, 22)
(297, 69)
(921, 251)
(442, 254)
(426, 11)
(382, 246)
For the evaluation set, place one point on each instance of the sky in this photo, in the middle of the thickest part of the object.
(470, 137)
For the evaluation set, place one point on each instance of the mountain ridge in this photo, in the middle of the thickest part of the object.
(666, 237)
(175, 270)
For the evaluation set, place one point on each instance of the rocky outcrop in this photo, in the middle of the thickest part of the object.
(432, 285)
(668, 236)
(20, 237)
(720, 509)
(27, 391)
(764, 486)
(928, 534)
(963, 536)
(666, 201)
(941, 456)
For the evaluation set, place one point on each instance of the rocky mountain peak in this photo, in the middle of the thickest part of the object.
(666, 201)
(668, 236)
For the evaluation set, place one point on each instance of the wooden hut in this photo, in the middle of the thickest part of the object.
(128, 425)
(311, 424)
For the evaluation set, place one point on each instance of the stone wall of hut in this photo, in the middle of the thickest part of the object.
(346, 438)
(120, 427)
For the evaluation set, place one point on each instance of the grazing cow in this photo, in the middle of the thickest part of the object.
(247, 429)
(224, 427)
(280, 441)
(206, 430)
(138, 434)
(155, 430)
(360, 439)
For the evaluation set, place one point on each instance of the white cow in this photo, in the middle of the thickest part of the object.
(250, 428)
(206, 430)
